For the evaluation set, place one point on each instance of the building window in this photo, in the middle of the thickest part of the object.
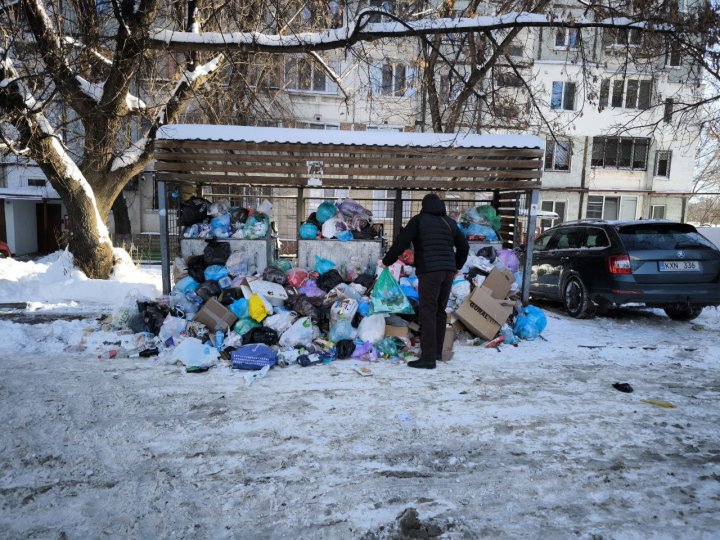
(566, 38)
(392, 80)
(36, 182)
(668, 112)
(552, 206)
(623, 37)
(657, 211)
(610, 208)
(662, 163)
(620, 153)
(515, 50)
(302, 74)
(631, 93)
(450, 88)
(673, 57)
(385, 128)
(557, 155)
(563, 96)
(316, 125)
(382, 203)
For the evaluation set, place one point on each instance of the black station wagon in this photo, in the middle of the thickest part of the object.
(593, 264)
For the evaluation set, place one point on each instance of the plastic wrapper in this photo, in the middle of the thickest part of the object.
(342, 291)
(244, 325)
(193, 352)
(311, 289)
(186, 284)
(343, 310)
(236, 264)
(219, 208)
(297, 277)
(323, 265)
(280, 322)
(459, 292)
(308, 231)
(530, 323)
(372, 328)
(387, 347)
(300, 334)
(256, 227)
(172, 327)
(239, 308)
(344, 236)
(387, 296)
(341, 330)
(509, 259)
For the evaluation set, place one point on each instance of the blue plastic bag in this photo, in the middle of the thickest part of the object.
(186, 284)
(253, 357)
(220, 222)
(530, 323)
(323, 265)
(239, 308)
(215, 272)
(474, 229)
(325, 211)
(308, 231)
(344, 236)
(341, 330)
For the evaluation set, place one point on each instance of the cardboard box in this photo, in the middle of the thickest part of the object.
(483, 314)
(215, 316)
(448, 343)
(399, 331)
(499, 282)
(274, 293)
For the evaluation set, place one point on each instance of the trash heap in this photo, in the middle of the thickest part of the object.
(480, 223)
(342, 220)
(201, 218)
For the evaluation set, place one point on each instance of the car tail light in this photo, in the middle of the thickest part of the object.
(619, 264)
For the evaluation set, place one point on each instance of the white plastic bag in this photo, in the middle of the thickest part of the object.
(329, 228)
(299, 334)
(459, 292)
(265, 207)
(343, 310)
(122, 314)
(172, 327)
(341, 330)
(192, 352)
(280, 322)
(372, 328)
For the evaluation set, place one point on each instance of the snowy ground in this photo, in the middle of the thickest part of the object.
(529, 442)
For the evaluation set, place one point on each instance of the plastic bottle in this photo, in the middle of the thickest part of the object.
(219, 339)
(225, 282)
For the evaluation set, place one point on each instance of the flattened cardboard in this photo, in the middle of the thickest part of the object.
(448, 343)
(482, 314)
(215, 316)
(499, 282)
(399, 331)
(274, 293)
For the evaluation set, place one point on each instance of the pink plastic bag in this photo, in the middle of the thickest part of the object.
(297, 277)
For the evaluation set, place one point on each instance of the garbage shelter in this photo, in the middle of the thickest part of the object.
(509, 167)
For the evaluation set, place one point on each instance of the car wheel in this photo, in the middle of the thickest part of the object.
(576, 299)
(683, 312)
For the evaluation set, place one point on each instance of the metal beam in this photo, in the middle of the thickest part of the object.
(531, 224)
(164, 240)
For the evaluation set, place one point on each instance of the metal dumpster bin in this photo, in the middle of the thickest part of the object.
(365, 252)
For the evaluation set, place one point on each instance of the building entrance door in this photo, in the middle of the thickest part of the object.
(49, 226)
(3, 230)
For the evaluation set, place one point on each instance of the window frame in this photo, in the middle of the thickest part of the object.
(393, 88)
(652, 211)
(550, 143)
(673, 50)
(564, 94)
(566, 41)
(618, 145)
(548, 222)
(293, 84)
(659, 154)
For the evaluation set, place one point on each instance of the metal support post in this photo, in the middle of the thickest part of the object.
(529, 248)
(164, 240)
(397, 213)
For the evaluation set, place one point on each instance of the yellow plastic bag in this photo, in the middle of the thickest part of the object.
(259, 308)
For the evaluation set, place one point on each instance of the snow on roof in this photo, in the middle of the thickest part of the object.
(206, 132)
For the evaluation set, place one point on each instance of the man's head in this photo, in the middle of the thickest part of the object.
(432, 204)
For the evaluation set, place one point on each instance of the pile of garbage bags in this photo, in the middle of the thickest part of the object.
(343, 220)
(480, 223)
(202, 219)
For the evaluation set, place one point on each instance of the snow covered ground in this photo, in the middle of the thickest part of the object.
(531, 441)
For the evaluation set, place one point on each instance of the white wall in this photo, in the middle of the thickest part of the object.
(21, 227)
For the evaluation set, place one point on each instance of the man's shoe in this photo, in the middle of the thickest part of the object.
(421, 364)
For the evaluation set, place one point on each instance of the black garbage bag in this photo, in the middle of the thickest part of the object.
(365, 233)
(305, 306)
(474, 272)
(192, 211)
(208, 289)
(312, 218)
(275, 274)
(239, 215)
(344, 348)
(196, 268)
(216, 253)
(153, 316)
(329, 280)
(366, 280)
(488, 252)
(261, 334)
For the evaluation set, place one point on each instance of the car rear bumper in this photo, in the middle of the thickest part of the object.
(704, 294)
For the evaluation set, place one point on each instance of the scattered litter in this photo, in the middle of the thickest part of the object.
(623, 387)
(362, 370)
(659, 403)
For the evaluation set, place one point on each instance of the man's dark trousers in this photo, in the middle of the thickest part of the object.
(434, 293)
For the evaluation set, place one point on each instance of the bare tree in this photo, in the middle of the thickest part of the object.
(86, 85)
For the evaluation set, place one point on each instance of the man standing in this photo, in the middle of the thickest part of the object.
(440, 250)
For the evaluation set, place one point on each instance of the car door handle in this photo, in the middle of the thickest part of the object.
(564, 258)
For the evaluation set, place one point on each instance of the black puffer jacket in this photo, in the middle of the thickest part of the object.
(438, 243)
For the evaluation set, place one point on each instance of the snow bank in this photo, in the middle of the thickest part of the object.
(54, 280)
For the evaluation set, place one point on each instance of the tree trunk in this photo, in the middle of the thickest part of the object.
(123, 227)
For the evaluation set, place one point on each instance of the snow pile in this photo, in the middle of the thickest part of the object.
(53, 279)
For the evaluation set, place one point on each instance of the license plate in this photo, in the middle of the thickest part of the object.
(679, 266)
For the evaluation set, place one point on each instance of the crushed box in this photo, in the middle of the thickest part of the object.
(448, 342)
(215, 316)
(483, 314)
(399, 331)
(499, 282)
(274, 293)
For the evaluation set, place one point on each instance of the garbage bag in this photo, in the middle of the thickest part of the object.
(332, 226)
(387, 347)
(364, 233)
(372, 328)
(274, 275)
(344, 348)
(193, 352)
(239, 215)
(283, 264)
(387, 296)
(153, 315)
(341, 330)
(237, 264)
(172, 327)
(311, 289)
(215, 272)
(127, 311)
(196, 268)
(300, 334)
(297, 277)
(259, 307)
(312, 218)
(342, 291)
(487, 252)
(530, 323)
(221, 221)
(261, 334)
(482, 215)
(244, 325)
(329, 280)
(256, 227)
(344, 236)
(364, 307)
(265, 208)
(255, 356)
(475, 230)
(192, 211)
(348, 208)
(343, 310)
(366, 280)
(509, 259)
(308, 231)
(325, 211)
(216, 253)
(239, 308)
(364, 351)
(186, 284)
(208, 289)
(280, 322)
(304, 305)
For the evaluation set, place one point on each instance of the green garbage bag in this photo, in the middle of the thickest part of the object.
(387, 347)
(388, 297)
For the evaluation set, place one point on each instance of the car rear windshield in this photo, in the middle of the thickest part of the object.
(662, 236)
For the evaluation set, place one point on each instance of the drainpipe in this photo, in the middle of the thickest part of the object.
(583, 176)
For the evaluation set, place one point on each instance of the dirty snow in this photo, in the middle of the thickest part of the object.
(531, 441)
